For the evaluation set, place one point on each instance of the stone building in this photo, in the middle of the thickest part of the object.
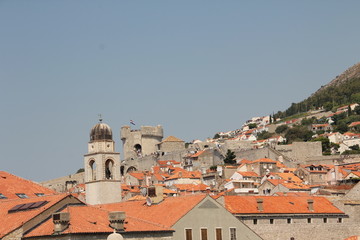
(289, 217)
(141, 142)
(171, 144)
(102, 167)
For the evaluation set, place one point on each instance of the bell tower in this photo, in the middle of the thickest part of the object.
(102, 167)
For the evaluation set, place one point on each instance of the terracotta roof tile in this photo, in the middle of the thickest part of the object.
(15, 220)
(265, 160)
(90, 219)
(172, 139)
(166, 213)
(192, 187)
(197, 154)
(279, 205)
(11, 184)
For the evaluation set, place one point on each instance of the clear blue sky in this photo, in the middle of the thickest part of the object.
(194, 67)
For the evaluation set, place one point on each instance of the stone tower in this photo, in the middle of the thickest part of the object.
(102, 167)
(139, 143)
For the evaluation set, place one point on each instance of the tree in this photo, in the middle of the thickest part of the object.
(252, 125)
(281, 129)
(328, 106)
(342, 127)
(298, 133)
(357, 110)
(80, 170)
(230, 157)
(349, 110)
(325, 144)
(264, 135)
(216, 136)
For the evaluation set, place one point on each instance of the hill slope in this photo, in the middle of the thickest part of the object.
(342, 90)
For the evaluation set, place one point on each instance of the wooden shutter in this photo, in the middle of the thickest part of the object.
(188, 233)
(204, 234)
(218, 234)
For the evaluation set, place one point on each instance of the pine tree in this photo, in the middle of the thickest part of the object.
(230, 157)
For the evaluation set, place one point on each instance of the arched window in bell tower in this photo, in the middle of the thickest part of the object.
(92, 165)
(109, 169)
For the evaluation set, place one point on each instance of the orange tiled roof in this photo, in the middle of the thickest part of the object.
(168, 191)
(295, 186)
(192, 187)
(197, 154)
(288, 177)
(279, 205)
(137, 175)
(165, 214)
(15, 220)
(172, 139)
(280, 165)
(275, 182)
(265, 160)
(185, 174)
(353, 124)
(11, 184)
(91, 219)
(352, 238)
(165, 162)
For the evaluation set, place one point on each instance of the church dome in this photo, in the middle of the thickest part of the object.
(100, 131)
(115, 236)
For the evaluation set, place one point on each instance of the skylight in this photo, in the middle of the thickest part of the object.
(27, 206)
(22, 195)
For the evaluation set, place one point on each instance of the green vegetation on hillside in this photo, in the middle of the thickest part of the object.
(330, 98)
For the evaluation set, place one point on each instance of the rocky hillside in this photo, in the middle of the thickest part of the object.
(350, 73)
(343, 90)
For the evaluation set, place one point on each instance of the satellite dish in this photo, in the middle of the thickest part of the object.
(148, 201)
(143, 192)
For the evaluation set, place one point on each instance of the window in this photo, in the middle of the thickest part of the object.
(232, 233)
(2, 196)
(271, 221)
(339, 220)
(218, 234)
(22, 195)
(309, 220)
(188, 234)
(39, 194)
(204, 234)
(289, 220)
(325, 220)
(255, 221)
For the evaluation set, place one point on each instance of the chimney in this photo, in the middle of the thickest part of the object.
(310, 204)
(260, 204)
(117, 220)
(61, 221)
(156, 194)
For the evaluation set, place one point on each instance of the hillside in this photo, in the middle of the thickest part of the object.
(342, 90)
